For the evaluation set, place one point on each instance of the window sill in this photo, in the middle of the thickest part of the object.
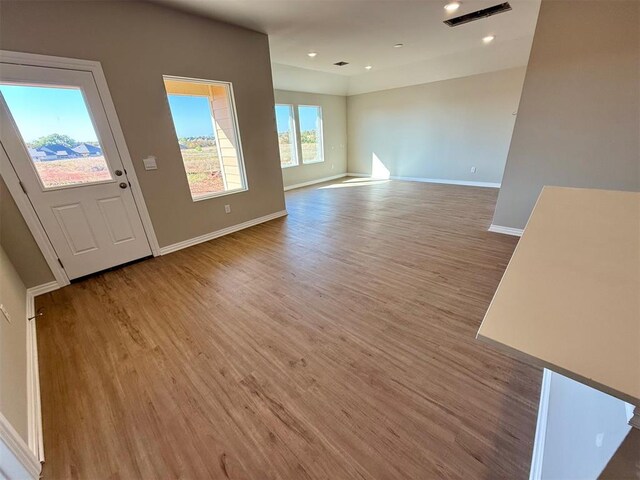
(311, 163)
(289, 166)
(219, 194)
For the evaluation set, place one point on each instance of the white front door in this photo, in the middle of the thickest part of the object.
(55, 132)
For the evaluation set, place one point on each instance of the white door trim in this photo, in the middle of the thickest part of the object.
(33, 222)
(11, 178)
(537, 457)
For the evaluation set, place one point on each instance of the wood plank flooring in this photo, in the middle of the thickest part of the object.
(335, 343)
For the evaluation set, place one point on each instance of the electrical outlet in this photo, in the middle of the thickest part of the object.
(227, 209)
(599, 439)
(5, 312)
(474, 169)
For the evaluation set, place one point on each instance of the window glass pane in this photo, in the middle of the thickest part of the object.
(286, 136)
(310, 118)
(205, 125)
(56, 127)
(197, 141)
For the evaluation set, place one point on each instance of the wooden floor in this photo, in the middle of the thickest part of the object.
(335, 343)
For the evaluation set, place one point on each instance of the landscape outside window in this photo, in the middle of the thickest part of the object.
(204, 122)
(311, 133)
(286, 136)
(57, 130)
(197, 141)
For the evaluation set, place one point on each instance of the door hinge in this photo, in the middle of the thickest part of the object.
(60, 262)
(22, 187)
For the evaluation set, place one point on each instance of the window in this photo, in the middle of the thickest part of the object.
(310, 119)
(204, 118)
(308, 135)
(56, 127)
(286, 126)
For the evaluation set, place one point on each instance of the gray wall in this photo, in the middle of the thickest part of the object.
(578, 123)
(138, 42)
(334, 125)
(437, 130)
(13, 348)
(19, 244)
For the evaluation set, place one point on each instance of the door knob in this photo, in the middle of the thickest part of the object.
(118, 173)
(123, 185)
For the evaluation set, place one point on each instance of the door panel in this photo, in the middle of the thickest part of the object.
(55, 131)
(116, 219)
(76, 228)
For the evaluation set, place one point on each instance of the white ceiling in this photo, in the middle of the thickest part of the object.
(363, 32)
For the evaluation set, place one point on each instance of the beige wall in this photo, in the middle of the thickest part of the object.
(334, 125)
(579, 118)
(13, 347)
(19, 244)
(138, 42)
(437, 130)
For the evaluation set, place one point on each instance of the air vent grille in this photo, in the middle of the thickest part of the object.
(479, 15)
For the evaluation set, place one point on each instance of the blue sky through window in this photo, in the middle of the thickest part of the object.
(283, 113)
(308, 118)
(41, 111)
(191, 116)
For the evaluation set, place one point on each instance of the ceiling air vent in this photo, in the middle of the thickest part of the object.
(341, 64)
(479, 15)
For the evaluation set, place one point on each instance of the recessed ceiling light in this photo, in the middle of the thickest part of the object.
(398, 45)
(489, 38)
(452, 7)
(368, 67)
(312, 54)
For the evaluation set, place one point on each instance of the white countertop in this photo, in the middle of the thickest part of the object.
(570, 298)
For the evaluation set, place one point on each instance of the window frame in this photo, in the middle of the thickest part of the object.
(234, 113)
(294, 138)
(88, 106)
(321, 133)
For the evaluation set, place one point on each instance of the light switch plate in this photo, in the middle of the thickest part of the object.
(150, 163)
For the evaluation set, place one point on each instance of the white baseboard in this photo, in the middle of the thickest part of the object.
(17, 461)
(313, 182)
(431, 180)
(359, 175)
(448, 182)
(34, 409)
(220, 233)
(42, 289)
(516, 232)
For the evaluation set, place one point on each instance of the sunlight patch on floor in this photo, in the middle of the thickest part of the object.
(358, 182)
